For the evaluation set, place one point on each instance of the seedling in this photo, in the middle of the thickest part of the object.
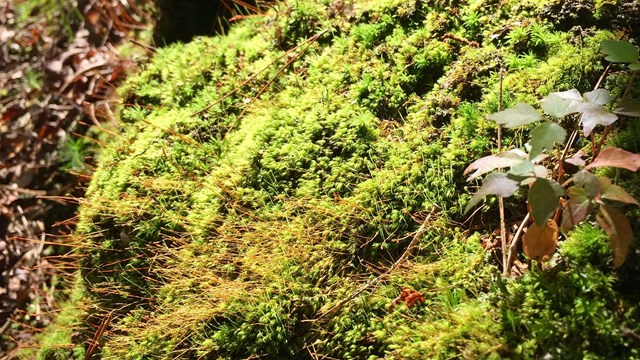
(584, 194)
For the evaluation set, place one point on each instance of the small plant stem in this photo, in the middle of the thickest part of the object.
(628, 88)
(607, 128)
(560, 167)
(95, 342)
(574, 133)
(503, 226)
(513, 247)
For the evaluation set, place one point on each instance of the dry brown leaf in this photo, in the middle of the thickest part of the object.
(540, 242)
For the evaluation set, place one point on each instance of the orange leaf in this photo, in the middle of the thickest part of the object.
(540, 242)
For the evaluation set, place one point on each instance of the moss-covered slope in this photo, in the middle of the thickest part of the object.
(261, 178)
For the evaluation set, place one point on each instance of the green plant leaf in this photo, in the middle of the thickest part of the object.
(576, 208)
(628, 107)
(598, 97)
(520, 114)
(544, 136)
(593, 114)
(524, 172)
(619, 51)
(543, 199)
(634, 66)
(614, 223)
(561, 104)
(493, 184)
(492, 162)
(541, 171)
(615, 192)
(573, 95)
(588, 182)
(616, 157)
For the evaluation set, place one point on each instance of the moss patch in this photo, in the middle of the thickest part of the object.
(262, 177)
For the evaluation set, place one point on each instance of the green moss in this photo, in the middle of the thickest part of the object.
(260, 178)
(570, 313)
(63, 340)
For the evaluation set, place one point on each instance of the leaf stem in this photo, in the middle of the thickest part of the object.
(574, 133)
(513, 247)
(607, 128)
(503, 227)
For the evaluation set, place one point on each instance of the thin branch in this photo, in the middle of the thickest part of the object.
(503, 226)
(252, 77)
(309, 42)
(407, 253)
(608, 127)
(513, 247)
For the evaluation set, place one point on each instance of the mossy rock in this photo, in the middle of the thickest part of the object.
(261, 178)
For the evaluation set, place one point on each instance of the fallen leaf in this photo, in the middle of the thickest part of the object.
(540, 242)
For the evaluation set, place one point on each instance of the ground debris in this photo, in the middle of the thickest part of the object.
(58, 78)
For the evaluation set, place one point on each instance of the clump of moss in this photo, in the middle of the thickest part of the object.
(572, 310)
(261, 178)
(64, 339)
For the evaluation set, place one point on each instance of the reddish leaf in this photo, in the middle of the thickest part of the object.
(616, 157)
(576, 159)
(492, 162)
(615, 192)
(539, 242)
(576, 209)
(614, 223)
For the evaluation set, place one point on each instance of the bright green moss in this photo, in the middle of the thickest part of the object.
(63, 340)
(253, 189)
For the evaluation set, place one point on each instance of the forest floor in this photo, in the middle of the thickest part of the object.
(60, 65)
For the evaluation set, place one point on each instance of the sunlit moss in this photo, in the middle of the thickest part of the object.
(261, 178)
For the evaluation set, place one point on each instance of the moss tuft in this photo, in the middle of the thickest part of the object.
(261, 178)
